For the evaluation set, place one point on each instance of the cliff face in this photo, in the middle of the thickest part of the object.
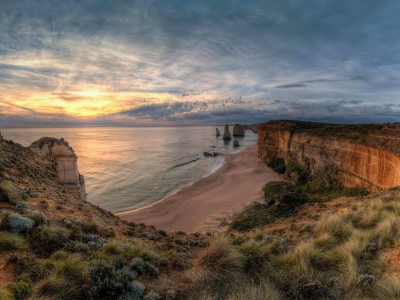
(67, 165)
(356, 155)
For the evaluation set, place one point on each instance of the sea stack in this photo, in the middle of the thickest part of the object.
(227, 134)
(236, 143)
(238, 130)
(67, 166)
(218, 134)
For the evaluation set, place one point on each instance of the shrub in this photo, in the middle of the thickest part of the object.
(38, 217)
(74, 246)
(17, 224)
(151, 269)
(93, 241)
(9, 241)
(137, 264)
(334, 225)
(59, 206)
(163, 233)
(22, 206)
(219, 262)
(10, 193)
(111, 281)
(67, 281)
(129, 232)
(366, 280)
(4, 295)
(29, 268)
(21, 290)
(252, 216)
(170, 295)
(113, 248)
(135, 291)
(47, 239)
(152, 296)
(388, 232)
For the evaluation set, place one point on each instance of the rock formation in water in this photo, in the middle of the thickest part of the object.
(238, 130)
(227, 133)
(212, 154)
(255, 127)
(218, 134)
(364, 155)
(67, 166)
(236, 143)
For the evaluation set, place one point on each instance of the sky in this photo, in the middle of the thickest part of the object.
(75, 63)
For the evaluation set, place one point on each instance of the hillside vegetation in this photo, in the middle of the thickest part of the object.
(54, 246)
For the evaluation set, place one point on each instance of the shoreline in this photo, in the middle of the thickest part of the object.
(236, 183)
(223, 162)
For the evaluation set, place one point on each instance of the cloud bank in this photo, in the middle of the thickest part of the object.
(128, 63)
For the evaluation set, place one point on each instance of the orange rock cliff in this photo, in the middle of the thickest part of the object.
(67, 166)
(365, 155)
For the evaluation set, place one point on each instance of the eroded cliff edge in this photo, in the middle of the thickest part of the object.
(362, 155)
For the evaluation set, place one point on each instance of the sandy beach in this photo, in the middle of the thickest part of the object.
(236, 183)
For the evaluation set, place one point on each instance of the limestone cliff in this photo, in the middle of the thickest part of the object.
(364, 155)
(67, 165)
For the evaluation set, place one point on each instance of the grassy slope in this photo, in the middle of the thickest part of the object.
(346, 248)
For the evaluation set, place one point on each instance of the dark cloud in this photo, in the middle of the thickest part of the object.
(291, 86)
(324, 51)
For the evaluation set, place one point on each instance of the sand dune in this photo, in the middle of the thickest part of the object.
(237, 182)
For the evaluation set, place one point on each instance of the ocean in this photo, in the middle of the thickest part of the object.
(131, 167)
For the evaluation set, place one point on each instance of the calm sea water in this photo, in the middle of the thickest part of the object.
(128, 168)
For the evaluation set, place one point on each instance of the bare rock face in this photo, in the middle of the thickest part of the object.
(227, 133)
(67, 166)
(236, 143)
(238, 130)
(363, 155)
(218, 134)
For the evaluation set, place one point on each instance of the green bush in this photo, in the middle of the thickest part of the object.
(252, 216)
(66, 281)
(47, 239)
(30, 269)
(17, 224)
(10, 241)
(112, 281)
(4, 295)
(10, 193)
(152, 296)
(21, 290)
(38, 217)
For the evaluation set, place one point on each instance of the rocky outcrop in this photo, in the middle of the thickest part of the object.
(67, 166)
(238, 130)
(365, 155)
(211, 154)
(227, 133)
(255, 127)
(236, 143)
(217, 132)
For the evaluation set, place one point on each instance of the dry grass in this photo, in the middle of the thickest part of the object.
(220, 262)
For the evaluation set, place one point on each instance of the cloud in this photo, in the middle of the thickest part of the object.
(291, 86)
(93, 58)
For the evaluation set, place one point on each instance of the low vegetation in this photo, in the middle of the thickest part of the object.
(292, 247)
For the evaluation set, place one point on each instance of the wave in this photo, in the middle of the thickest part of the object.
(186, 163)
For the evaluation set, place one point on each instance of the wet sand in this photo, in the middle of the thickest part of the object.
(236, 183)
